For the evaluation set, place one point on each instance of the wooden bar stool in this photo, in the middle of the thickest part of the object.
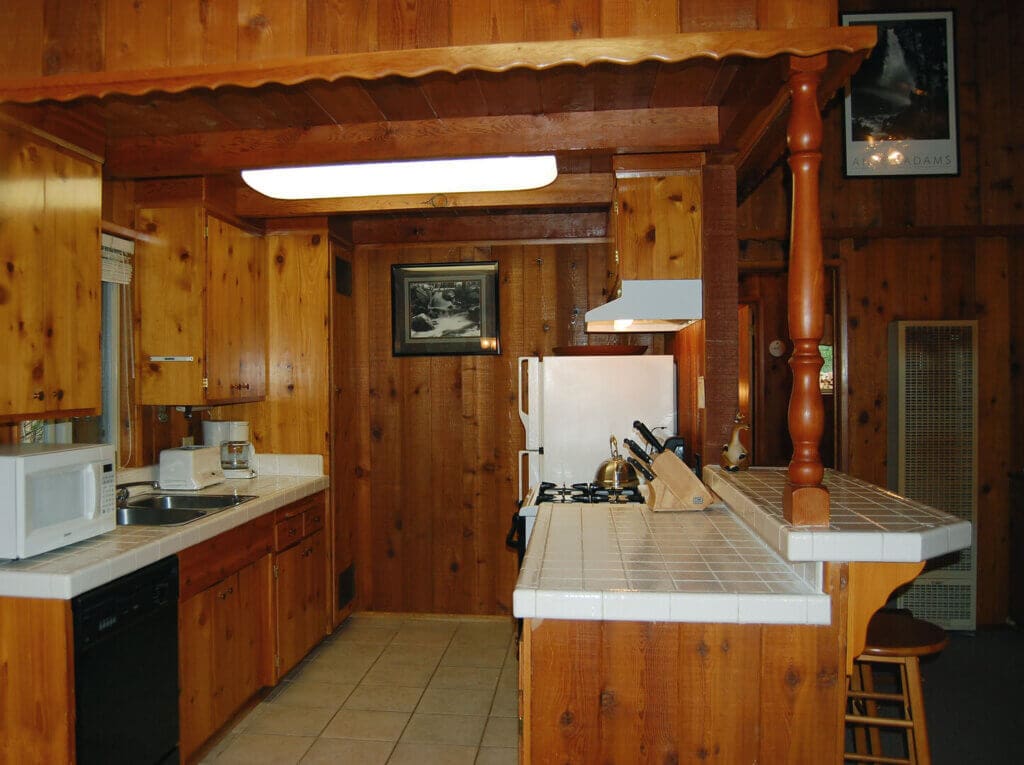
(894, 637)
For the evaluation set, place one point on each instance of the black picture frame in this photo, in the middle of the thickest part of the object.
(900, 112)
(442, 309)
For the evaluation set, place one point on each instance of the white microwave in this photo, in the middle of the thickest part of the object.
(54, 494)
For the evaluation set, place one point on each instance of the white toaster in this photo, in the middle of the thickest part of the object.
(190, 467)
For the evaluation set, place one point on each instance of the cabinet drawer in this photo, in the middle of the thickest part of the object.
(313, 520)
(287, 532)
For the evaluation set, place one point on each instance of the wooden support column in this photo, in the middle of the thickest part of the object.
(806, 501)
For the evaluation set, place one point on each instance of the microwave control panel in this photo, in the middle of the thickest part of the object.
(108, 488)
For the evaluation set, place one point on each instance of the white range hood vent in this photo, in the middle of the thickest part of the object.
(650, 305)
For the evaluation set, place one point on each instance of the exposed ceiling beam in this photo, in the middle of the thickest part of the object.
(480, 228)
(592, 190)
(632, 130)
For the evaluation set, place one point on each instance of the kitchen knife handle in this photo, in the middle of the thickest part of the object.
(637, 450)
(640, 468)
(649, 437)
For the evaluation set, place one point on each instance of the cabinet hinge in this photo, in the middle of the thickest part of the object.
(206, 383)
(615, 206)
(277, 572)
(277, 661)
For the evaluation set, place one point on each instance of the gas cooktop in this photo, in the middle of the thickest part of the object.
(587, 493)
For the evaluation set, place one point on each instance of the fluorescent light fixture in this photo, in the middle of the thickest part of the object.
(428, 176)
(650, 305)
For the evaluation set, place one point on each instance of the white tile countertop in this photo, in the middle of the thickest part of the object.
(80, 567)
(626, 562)
(866, 523)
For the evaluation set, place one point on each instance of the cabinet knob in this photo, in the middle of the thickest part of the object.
(245, 385)
(292, 531)
(307, 552)
(59, 394)
(224, 593)
(39, 395)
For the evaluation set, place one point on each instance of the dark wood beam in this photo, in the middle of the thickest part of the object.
(624, 130)
(590, 190)
(408, 229)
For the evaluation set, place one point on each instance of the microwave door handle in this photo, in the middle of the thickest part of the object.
(93, 487)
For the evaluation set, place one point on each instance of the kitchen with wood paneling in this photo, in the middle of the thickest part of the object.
(698, 143)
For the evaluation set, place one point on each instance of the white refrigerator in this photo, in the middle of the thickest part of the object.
(571, 405)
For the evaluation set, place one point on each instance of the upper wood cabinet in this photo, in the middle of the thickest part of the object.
(657, 220)
(203, 307)
(50, 280)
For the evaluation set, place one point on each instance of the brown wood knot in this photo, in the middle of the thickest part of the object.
(792, 677)
(702, 648)
(725, 646)
(566, 719)
(454, 567)
(184, 255)
(651, 234)
(315, 240)
(608, 701)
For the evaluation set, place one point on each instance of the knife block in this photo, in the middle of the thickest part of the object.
(675, 487)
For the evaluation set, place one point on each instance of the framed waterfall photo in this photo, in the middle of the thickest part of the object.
(900, 115)
(444, 308)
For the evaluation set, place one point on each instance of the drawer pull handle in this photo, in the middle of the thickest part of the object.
(292, 531)
(224, 594)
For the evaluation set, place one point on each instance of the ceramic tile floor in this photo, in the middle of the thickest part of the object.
(390, 688)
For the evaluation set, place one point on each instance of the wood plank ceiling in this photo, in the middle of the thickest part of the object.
(586, 101)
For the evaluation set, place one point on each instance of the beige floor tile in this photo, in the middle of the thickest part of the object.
(283, 720)
(246, 719)
(496, 756)
(474, 678)
(342, 651)
(334, 670)
(366, 725)
(339, 751)
(501, 732)
(384, 698)
(506, 702)
(413, 653)
(218, 748)
(457, 730)
(454, 701)
(426, 631)
(493, 634)
(306, 693)
(432, 754)
(390, 673)
(473, 656)
(262, 749)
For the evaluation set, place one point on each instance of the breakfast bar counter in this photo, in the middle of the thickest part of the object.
(723, 635)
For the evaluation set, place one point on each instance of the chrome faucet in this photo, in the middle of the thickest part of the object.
(123, 493)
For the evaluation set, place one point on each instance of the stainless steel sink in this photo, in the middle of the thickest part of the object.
(174, 509)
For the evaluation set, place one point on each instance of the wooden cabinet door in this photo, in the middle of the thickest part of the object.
(240, 638)
(657, 221)
(200, 690)
(170, 274)
(71, 267)
(300, 600)
(50, 284)
(236, 312)
(22, 280)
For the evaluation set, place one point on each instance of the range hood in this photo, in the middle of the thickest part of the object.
(650, 305)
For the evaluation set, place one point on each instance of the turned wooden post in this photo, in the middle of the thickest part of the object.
(806, 501)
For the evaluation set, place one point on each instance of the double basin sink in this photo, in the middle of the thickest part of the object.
(174, 509)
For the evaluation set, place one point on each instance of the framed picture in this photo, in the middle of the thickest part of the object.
(444, 308)
(900, 112)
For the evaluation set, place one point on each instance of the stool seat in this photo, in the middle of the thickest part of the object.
(894, 638)
(899, 633)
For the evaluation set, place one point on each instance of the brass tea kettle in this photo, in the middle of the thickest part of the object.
(616, 473)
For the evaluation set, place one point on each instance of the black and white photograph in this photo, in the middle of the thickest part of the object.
(901, 104)
(445, 308)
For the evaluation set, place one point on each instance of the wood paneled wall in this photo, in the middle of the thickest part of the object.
(68, 36)
(441, 434)
(927, 248)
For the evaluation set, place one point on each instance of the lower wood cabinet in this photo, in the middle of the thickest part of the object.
(223, 649)
(299, 582)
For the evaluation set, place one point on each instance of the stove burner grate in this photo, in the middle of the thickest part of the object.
(586, 493)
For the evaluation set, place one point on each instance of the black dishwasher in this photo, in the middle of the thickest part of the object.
(126, 668)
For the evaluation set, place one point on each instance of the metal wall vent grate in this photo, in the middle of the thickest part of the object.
(932, 454)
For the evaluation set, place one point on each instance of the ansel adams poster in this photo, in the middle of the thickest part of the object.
(901, 104)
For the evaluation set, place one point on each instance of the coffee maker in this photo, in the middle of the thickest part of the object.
(237, 455)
